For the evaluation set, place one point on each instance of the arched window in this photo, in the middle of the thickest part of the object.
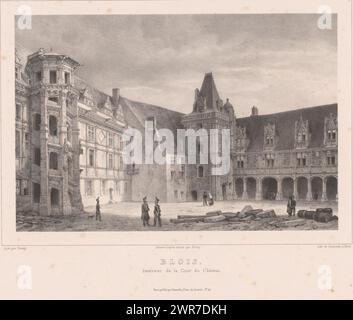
(54, 197)
(53, 160)
(53, 126)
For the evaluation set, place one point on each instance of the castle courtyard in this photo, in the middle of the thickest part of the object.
(125, 216)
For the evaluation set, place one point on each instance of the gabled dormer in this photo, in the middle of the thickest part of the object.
(302, 133)
(269, 136)
(118, 113)
(331, 128)
(241, 139)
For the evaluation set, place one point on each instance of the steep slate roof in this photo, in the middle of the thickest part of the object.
(285, 126)
(209, 91)
(98, 96)
(137, 112)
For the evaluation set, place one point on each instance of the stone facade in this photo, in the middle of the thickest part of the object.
(69, 145)
(209, 112)
(47, 135)
(273, 156)
(69, 141)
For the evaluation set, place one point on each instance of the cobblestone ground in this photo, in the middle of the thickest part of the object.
(126, 217)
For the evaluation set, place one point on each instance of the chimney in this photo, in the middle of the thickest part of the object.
(254, 111)
(115, 95)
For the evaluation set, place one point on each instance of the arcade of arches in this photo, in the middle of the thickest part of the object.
(281, 188)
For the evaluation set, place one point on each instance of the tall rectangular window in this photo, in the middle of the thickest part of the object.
(18, 144)
(38, 76)
(89, 187)
(37, 156)
(110, 161)
(36, 192)
(200, 171)
(52, 77)
(24, 187)
(18, 111)
(90, 133)
(91, 158)
(36, 121)
(331, 160)
(18, 186)
(67, 78)
(27, 140)
(110, 140)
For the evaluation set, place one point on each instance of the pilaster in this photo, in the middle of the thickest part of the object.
(44, 204)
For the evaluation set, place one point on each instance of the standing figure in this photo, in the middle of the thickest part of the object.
(291, 204)
(204, 197)
(98, 210)
(157, 213)
(210, 199)
(144, 212)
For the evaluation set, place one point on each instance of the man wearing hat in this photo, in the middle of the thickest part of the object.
(98, 210)
(145, 217)
(157, 213)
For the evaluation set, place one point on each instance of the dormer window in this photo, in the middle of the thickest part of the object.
(302, 133)
(269, 135)
(241, 139)
(52, 77)
(331, 130)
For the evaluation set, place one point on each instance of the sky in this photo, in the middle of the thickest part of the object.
(275, 62)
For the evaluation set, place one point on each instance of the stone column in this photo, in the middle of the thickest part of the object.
(309, 195)
(324, 196)
(44, 204)
(258, 195)
(279, 195)
(245, 190)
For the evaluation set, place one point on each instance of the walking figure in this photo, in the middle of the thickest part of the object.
(157, 213)
(98, 210)
(204, 197)
(144, 212)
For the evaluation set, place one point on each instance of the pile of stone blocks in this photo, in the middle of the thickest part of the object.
(246, 214)
(320, 215)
